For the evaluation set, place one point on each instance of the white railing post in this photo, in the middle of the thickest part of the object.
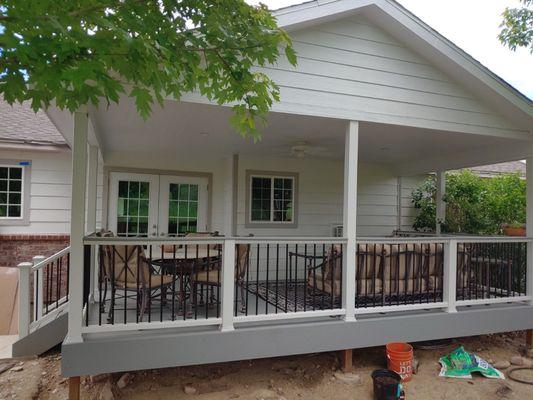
(38, 288)
(228, 285)
(449, 284)
(92, 190)
(349, 219)
(24, 303)
(77, 226)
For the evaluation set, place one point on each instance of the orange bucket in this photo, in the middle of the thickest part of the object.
(400, 359)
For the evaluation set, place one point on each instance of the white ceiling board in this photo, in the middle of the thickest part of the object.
(199, 130)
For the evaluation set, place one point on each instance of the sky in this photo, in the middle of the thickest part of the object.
(473, 25)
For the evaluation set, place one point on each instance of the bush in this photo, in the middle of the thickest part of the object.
(474, 205)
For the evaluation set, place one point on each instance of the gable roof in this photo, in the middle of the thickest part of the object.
(19, 124)
(511, 167)
(405, 26)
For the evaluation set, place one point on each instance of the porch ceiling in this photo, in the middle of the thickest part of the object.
(183, 129)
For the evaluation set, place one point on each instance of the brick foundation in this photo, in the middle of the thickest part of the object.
(15, 249)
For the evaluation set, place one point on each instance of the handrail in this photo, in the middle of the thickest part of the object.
(444, 239)
(43, 263)
(209, 240)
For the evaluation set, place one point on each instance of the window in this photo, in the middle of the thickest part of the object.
(271, 199)
(133, 207)
(11, 192)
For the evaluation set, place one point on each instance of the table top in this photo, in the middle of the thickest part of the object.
(192, 253)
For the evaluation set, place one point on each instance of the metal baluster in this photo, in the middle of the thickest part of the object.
(277, 277)
(267, 275)
(257, 282)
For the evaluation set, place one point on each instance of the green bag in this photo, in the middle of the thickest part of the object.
(460, 364)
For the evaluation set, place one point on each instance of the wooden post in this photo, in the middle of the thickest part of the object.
(74, 388)
(347, 360)
(529, 338)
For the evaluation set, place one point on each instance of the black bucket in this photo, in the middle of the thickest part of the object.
(386, 384)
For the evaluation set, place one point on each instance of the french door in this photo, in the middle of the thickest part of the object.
(156, 205)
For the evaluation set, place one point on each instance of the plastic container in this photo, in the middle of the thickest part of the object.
(386, 384)
(400, 360)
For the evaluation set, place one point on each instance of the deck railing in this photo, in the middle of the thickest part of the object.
(150, 283)
(491, 271)
(43, 290)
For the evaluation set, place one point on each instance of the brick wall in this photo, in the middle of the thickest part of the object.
(15, 249)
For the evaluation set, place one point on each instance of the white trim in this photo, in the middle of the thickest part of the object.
(400, 308)
(148, 326)
(498, 300)
(285, 316)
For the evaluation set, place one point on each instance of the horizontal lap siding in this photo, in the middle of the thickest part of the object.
(352, 66)
(320, 195)
(50, 192)
(408, 212)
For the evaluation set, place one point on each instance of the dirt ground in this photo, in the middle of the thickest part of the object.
(310, 377)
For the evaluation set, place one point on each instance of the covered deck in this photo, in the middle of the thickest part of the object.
(329, 274)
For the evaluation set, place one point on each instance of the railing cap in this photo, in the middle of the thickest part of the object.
(25, 265)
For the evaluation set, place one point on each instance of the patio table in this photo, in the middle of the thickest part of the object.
(182, 263)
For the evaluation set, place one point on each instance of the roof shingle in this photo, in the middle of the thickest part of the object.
(20, 124)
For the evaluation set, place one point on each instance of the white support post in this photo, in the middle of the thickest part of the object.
(38, 288)
(77, 225)
(228, 285)
(449, 286)
(440, 204)
(91, 213)
(24, 302)
(349, 216)
(529, 226)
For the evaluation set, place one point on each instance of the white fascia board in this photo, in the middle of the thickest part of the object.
(315, 12)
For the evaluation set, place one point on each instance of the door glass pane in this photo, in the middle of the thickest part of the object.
(182, 209)
(133, 208)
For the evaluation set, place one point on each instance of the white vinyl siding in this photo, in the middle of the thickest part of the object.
(320, 196)
(352, 69)
(50, 192)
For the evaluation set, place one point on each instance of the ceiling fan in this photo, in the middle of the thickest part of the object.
(301, 149)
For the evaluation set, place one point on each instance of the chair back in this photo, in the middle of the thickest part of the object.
(242, 260)
(127, 265)
(103, 255)
(332, 269)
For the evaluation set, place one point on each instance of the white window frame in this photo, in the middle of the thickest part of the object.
(24, 218)
(272, 223)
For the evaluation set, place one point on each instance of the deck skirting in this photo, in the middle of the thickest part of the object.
(117, 351)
